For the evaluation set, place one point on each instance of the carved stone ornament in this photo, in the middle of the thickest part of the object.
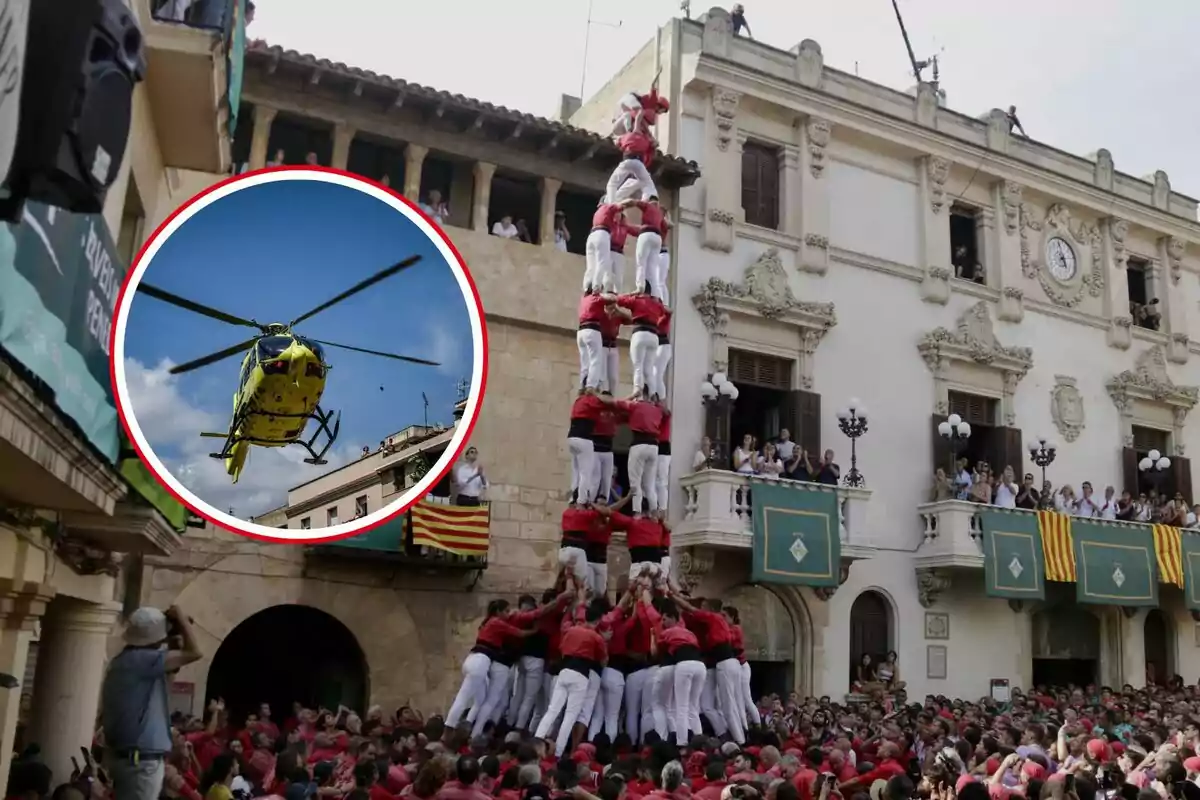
(1149, 382)
(819, 132)
(826, 593)
(720, 216)
(1118, 229)
(1066, 407)
(1058, 222)
(764, 291)
(725, 107)
(1175, 248)
(938, 170)
(930, 584)
(1010, 199)
(816, 240)
(694, 564)
(973, 340)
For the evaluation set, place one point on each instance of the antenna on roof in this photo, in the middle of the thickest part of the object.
(587, 40)
(918, 67)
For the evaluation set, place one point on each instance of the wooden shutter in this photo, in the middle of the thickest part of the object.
(1009, 452)
(942, 453)
(754, 369)
(973, 409)
(1129, 466)
(805, 420)
(1181, 477)
(760, 185)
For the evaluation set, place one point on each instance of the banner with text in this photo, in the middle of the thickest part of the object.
(1116, 564)
(797, 534)
(1013, 565)
(59, 279)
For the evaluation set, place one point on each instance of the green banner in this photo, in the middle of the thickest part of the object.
(143, 482)
(1114, 564)
(1013, 562)
(797, 534)
(1190, 546)
(235, 49)
(59, 279)
(387, 538)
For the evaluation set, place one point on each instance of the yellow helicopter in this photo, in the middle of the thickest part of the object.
(282, 378)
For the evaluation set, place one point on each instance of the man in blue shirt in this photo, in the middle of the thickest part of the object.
(133, 700)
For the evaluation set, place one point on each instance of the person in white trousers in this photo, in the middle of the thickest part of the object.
(681, 648)
(646, 313)
(531, 667)
(610, 333)
(649, 245)
(662, 355)
(603, 436)
(753, 717)
(718, 641)
(578, 523)
(645, 420)
(662, 468)
(584, 411)
(607, 223)
(583, 651)
(662, 270)
(589, 339)
(631, 179)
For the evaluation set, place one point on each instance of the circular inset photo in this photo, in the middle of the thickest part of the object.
(285, 341)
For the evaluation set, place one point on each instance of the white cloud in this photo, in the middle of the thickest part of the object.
(452, 351)
(172, 424)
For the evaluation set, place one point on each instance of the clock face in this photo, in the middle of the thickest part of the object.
(1060, 259)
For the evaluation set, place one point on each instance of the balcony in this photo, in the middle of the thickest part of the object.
(716, 514)
(952, 535)
(188, 81)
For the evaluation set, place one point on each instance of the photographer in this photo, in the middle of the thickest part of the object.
(133, 700)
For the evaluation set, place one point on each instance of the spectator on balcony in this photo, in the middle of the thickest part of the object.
(704, 455)
(436, 207)
(982, 485)
(963, 479)
(799, 468)
(1046, 501)
(279, 160)
(1028, 498)
(1175, 512)
(505, 229)
(770, 466)
(1126, 508)
(1108, 508)
(744, 457)
(311, 159)
(1086, 506)
(1006, 492)
(523, 232)
(828, 472)
(943, 488)
(1064, 500)
(737, 15)
(468, 479)
(1143, 509)
(888, 673)
(562, 236)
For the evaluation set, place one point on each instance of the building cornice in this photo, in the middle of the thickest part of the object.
(711, 70)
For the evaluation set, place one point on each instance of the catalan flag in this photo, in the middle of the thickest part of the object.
(461, 530)
(1057, 547)
(1169, 548)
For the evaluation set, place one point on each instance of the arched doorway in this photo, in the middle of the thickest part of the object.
(1157, 635)
(770, 636)
(870, 629)
(1066, 646)
(286, 654)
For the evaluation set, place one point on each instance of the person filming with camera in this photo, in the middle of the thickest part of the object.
(133, 700)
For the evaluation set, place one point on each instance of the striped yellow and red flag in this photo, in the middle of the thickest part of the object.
(462, 530)
(1058, 549)
(1168, 546)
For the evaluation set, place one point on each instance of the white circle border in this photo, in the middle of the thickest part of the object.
(345, 529)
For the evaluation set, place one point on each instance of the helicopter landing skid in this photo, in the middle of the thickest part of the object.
(322, 418)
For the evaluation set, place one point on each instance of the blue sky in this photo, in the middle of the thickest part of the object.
(270, 253)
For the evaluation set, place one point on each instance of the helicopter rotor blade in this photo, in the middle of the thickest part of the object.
(213, 358)
(410, 359)
(191, 305)
(358, 287)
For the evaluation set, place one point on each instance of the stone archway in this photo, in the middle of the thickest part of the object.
(1158, 634)
(776, 636)
(286, 654)
(872, 629)
(1068, 645)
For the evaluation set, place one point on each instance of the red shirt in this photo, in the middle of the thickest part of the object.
(714, 627)
(618, 642)
(453, 790)
(617, 236)
(587, 406)
(671, 639)
(653, 218)
(637, 636)
(885, 770)
(206, 746)
(664, 323)
(610, 329)
(496, 631)
(581, 522)
(379, 792)
(607, 216)
(644, 417)
(580, 641)
(636, 144)
(600, 534)
(646, 309)
(606, 424)
(593, 309)
(664, 428)
(710, 792)
(639, 531)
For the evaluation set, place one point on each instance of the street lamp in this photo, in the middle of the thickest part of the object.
(1154, 466)
(1043, 453)
(717, 393)
(853, 422)
(956, 432)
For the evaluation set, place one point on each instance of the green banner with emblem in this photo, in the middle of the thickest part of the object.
(1190, 553)
(1013, 562)
(59, 279)
(1114, 564)
(797, 533)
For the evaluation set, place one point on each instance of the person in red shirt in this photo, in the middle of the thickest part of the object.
(651, 235)
(645, 311)
(549, 626)
(593, 313)
(662, 266)
(608, 219)
(717, 641)
(603, 434)
(584, 413)
(662, 465)
(645, 422)
(583, 652)
(598, 538)
(682, 655)
(610, 332)
(752, 716)
(643, 537)
(631, 178)
(581, 524)
(464, 787)
(662, 354)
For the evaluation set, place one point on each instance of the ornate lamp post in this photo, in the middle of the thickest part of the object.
(957, 433)
(853, 422)
(1154, 466)
(1043, 453)
(717, 393)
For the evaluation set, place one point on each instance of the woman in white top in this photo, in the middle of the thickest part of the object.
(770, 466)
(1006, 490)
(744, 456)
(468, 479)
(505, 229)
(1142, 510)
(562, 236)
(704, 455)
(1064, 501)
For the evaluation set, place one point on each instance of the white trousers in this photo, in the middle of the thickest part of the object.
(583, 465)
(612, 369)
(649, 688)
(662, 360)
(591, 357)
(658, 279)
(646, 257)
(636, 569)
(689, 683)
(643, 461)
(634, 685)
(643, 347)
(630, 179)
(576, 559)
(612, 690)
(590, 699)
(665, 566)
(616, 271)
(543, 701)
(497, 693)
(604, 474)
(752, 715)
(473, 690)
(596, 251)
(662, 480)
(627, 110)
(598, 578)
(729, 697)
(532, 673)
(708, 704)
(664, 691)
(570, 693)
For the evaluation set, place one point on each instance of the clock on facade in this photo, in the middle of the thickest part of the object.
(1060, 259)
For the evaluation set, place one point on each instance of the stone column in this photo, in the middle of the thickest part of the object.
(414, 162)
(19, 614)
(550, 187)
(264, 117)
(343, 135)
(934, 216)
(70, 670)
(1116, 289)
(791, 210)
(481, 200)
(1169, 272)
(814, 195)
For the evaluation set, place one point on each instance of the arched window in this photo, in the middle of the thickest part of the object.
(870, 629)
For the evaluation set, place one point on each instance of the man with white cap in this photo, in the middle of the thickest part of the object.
(133, 700)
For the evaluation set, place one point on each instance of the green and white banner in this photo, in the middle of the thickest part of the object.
(797, 534)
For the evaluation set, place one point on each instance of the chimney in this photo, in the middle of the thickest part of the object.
(567, 106)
